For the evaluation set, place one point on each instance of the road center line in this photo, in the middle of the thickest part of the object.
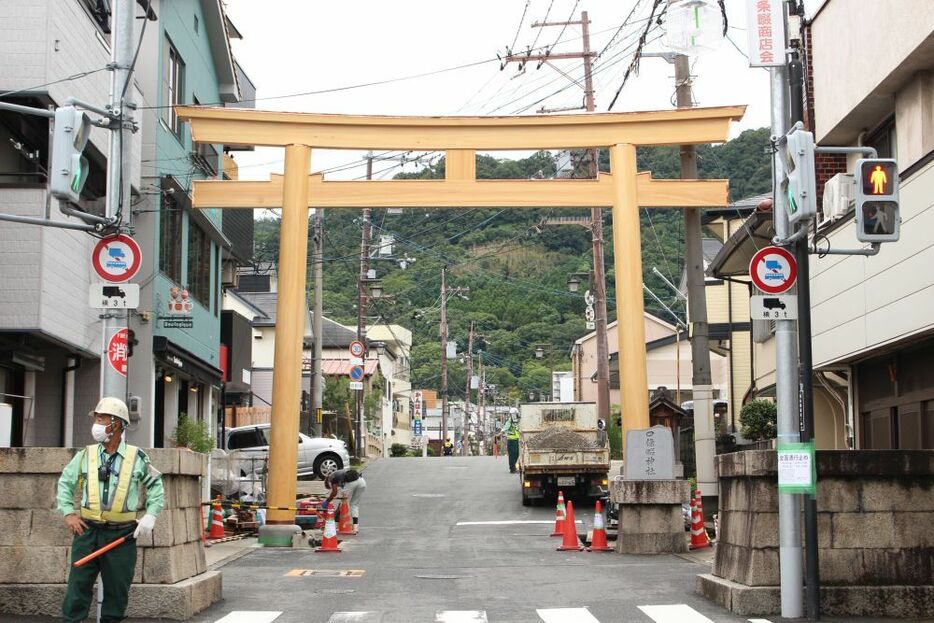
(250, 616)
(566, 615)
(675, 613)
(507, 522)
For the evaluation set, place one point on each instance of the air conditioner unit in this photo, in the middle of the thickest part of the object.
(229, 274)
(839, 192)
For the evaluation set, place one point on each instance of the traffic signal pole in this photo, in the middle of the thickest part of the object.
(112, 382)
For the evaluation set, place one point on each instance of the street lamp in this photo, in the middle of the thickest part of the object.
(376, 288)
(575, 280)
(539, 352)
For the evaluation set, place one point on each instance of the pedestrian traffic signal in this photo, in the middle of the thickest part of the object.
(799, 184)
(69, 166)
(877, 215)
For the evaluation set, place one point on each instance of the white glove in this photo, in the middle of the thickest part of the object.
(145, 526)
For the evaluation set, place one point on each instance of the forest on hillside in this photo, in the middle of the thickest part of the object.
(513, 269)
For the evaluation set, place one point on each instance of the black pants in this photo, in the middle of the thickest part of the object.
(512, 448)
(116, 568)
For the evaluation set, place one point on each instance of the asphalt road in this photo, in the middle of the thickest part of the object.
(416, 560)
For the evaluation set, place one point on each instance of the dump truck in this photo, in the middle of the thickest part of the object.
(561, 447)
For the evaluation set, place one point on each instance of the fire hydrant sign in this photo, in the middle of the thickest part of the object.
(797, 469)
(773, 270)
(116, 259)
(117, 351)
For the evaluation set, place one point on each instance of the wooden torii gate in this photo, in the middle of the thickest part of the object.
(623, 190)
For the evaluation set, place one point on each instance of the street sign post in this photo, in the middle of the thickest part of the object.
(777, 307)
(115, 296)
(773, 270)
(116, 259)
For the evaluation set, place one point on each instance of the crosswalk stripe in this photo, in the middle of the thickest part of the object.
(355, 617)
(566, 615)
(674, 613)
(461, 616)
(250, 616)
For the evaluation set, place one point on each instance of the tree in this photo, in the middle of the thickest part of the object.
(758, 420)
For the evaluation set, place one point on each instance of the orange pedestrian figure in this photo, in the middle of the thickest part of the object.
(878, 179)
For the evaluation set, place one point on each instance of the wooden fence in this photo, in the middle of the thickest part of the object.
(245, 416)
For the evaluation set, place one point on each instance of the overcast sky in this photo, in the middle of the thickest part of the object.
(298, 46)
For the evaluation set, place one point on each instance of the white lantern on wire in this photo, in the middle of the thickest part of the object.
(693, 27)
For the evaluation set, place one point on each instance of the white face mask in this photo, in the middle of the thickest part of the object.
(99, 433)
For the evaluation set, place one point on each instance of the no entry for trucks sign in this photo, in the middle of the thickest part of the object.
(773, 270)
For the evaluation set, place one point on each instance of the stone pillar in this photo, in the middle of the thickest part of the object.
(171, 579)
(650, 520)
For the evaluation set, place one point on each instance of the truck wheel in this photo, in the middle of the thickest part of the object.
(526, 500)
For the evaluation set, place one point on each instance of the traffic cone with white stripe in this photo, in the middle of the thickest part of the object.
(571, 542)
(559, 516)
(699, 538)
(329, 542)
(345, 525)
(598, 543)
(217, 522)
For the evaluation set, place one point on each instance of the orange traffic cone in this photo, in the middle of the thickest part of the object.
(698, 531)
(329, 542)
(217, 522)
(571, 542)
(559, 516)
(345, 525)
(598, 543)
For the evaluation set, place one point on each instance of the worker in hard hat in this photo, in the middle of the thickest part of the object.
(110, 475)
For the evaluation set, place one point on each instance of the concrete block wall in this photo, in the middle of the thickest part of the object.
(875, 529)
(35, 546)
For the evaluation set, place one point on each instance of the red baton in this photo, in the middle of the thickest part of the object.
(103, 550)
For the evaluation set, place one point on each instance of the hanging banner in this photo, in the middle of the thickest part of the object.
(765, 30)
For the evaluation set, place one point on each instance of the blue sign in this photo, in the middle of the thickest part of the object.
(356, 373)
(417, 428)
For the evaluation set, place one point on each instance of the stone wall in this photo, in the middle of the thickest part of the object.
(35, 547)
(875, 533)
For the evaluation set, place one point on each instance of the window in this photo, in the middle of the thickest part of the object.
(24, 147)
(99, 10)
(244, 439)
(883, 140)
(199, 264)
(170, 235)
(217, 280)
(174, 83)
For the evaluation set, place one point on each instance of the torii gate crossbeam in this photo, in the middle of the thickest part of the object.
(460, 138)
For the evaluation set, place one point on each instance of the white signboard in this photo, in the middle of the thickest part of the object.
(773, 307)
(765, 31)
(356, 385)
(113, 296)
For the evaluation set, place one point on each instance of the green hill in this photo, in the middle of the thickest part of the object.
(515, 268)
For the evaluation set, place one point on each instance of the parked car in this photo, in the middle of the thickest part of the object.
(317, 456)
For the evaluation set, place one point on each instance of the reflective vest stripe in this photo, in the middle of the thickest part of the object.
(93, 509)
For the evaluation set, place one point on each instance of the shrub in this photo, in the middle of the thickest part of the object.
(193, 434)
(398, 449)
(757, 420)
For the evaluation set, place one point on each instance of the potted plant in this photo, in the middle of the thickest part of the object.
(193, 434)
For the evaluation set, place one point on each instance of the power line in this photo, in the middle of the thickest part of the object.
(638, 54)
(59, 81)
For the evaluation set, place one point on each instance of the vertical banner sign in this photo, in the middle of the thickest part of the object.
(766, 32)
(797, 468)
(117, 350)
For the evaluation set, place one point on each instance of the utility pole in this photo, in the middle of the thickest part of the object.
(465, 437)
(360, 445)
(481, 402)
(786, 369)
(596, 213)
(119, 163)
(317, 383)
(444, 358)
(702, 394)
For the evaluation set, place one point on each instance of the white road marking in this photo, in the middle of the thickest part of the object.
(675, 613)
(354, 617)
(461, 616)
(566, 615)
(759, 621)
(250, 616)
(427, 495)
(508, 522)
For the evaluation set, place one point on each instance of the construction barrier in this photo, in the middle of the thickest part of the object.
(570, 542)
(217, 523)
(599, 543)
(329, 542)
(345, 525)
(559, 516)
(698, 531)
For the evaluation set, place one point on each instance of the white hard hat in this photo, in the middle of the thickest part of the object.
(113, 406)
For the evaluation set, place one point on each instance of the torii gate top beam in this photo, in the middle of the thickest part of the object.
(233, 126)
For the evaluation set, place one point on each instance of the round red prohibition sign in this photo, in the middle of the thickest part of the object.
(356, 348)
(773, 270)
(117, 258)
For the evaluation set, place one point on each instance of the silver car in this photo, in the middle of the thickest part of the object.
(318, 456)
